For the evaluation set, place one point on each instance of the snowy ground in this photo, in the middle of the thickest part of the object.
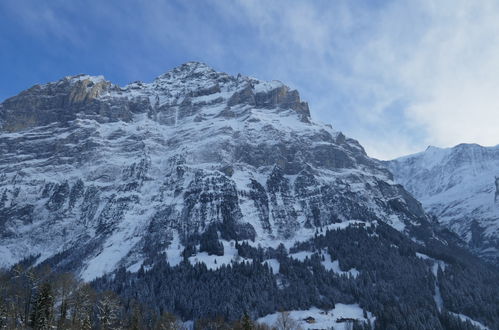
(323, 320)
(334, 265)
(214, 262)
(328, 263)
(437, 297)
(467, 318)
(273, 264)
(301, 235)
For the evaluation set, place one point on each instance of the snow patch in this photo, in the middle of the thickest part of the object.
(436, 264)
(174, 251)
(214, 262)
(135, 267)
(396, 223)
(465, 318)
(273, 264)
(301, 256)
(334, 265)
(266, 86)
(82, 77)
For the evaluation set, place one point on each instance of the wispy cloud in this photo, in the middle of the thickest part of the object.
(46, 22)
(397, 75)
(447, 69)
(400, 77)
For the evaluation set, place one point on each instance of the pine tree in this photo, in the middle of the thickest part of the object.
(247, 323)
(136, 318)
(41, 317)
(167, 321)
(3, 314)
(66, 283)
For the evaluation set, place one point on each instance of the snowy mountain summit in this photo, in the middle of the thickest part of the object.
(460, 186)
(94, 176)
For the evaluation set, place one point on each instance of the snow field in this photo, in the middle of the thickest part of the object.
(323, 319)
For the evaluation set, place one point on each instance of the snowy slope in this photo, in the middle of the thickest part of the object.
(94, 176)
(458, 185)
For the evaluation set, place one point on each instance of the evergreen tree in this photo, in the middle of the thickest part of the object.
(167, 321)
(66, 283)
(209, 242)
(247, 323)
(42, 312)
(3, 314)
(136, 321)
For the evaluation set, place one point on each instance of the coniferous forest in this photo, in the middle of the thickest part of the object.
(393, 283)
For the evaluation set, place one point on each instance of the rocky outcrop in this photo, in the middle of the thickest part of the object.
(54, 103)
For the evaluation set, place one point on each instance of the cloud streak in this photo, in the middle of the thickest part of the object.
(397, 75)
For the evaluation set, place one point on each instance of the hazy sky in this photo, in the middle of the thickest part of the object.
(396, 75)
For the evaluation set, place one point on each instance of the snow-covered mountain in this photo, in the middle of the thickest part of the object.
(460, 187)
(96, 176)
(208, 195)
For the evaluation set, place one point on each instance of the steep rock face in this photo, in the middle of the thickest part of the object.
(459, 186)
(56, 102)
(94, 176)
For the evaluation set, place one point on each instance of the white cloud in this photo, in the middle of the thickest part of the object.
(398, 75)
(448, 70)
(455, 72)
(439, 58)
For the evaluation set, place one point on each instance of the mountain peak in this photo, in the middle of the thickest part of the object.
(188, 70)
(467, 146)
(84, 77)
(191, 91)
(169, 158)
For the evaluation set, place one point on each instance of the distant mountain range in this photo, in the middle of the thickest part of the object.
(460, 187)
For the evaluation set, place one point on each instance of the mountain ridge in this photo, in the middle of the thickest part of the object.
(458, 186)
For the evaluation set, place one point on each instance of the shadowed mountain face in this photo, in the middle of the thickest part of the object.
(459, 186)
(97, 176)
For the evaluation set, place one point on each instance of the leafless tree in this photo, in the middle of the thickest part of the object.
(108, 311)
(168, 321)
(285, 322)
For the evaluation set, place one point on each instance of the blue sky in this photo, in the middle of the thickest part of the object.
(396, 75)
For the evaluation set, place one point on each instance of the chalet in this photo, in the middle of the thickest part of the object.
(309, 320)
(346, 320)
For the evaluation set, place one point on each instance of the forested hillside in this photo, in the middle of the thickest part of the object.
(403, 285)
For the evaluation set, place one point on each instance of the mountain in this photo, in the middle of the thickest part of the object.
(460, 187)
(206, 195)
(113, 175)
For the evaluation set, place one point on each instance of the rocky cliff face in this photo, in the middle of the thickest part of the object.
(94, 176)
(459, 186)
